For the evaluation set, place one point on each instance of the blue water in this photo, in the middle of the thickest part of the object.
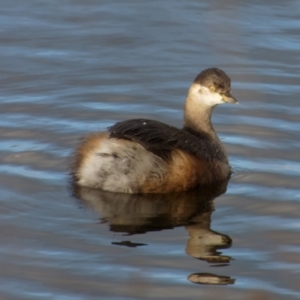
(71, 68)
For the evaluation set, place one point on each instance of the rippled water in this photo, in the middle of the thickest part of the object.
(70, 68)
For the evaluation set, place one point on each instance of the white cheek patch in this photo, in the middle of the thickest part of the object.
(209, 98)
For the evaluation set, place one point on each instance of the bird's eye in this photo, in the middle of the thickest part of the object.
(212, 88)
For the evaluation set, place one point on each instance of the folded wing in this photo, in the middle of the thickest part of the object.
(161, 139)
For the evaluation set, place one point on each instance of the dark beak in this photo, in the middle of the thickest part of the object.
(227, 97)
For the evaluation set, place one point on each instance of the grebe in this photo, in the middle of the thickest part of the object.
(147, 156)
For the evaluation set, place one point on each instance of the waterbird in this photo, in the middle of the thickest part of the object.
(147, 156)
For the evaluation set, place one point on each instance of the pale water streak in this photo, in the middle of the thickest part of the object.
(71, 68)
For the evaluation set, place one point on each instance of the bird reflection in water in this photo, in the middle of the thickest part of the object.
(140, 213)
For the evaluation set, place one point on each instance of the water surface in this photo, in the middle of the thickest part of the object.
(71, 68)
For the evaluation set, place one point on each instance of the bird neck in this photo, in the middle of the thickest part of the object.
(198, 117)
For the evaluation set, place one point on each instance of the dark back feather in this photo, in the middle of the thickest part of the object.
(161, 139)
